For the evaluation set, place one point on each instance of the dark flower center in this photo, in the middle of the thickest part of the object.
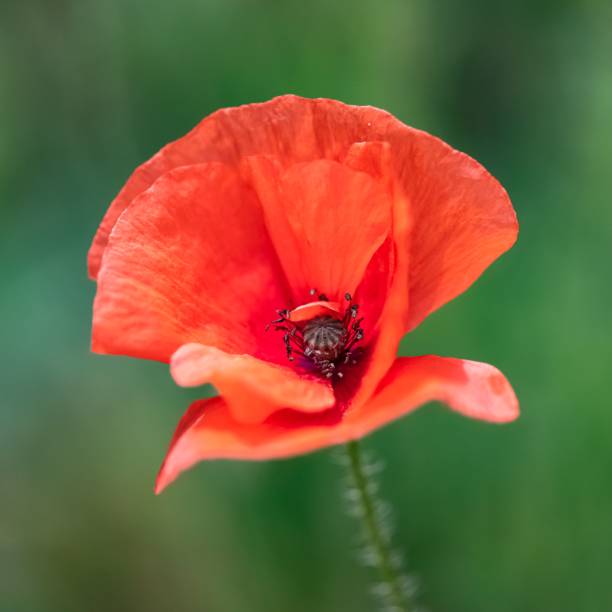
(325, 342)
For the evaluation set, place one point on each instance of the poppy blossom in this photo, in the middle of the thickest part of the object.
(280, 251)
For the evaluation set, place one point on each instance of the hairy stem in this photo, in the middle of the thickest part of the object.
(394, 589)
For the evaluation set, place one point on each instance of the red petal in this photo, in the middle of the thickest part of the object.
(189, 261)
(325, 219)
(462, 219)
(385, 286)
(315, 309)
(209, 431)
(252, 388)
(474, 389)
(296, 128)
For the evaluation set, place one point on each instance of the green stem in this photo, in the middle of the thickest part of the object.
(370, 510)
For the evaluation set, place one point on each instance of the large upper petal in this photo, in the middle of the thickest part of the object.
(209, 431)
(297, 129)
(189, 261)
(462, 218)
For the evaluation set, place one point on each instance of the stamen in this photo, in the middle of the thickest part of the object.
(322, 296)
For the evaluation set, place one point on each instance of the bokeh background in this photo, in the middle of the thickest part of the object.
(493, 519)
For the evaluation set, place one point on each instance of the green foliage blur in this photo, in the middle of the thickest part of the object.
(493, 518)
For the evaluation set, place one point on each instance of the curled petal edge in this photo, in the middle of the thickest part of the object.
(252, 388)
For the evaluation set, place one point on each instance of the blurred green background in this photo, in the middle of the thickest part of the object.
(493, 519)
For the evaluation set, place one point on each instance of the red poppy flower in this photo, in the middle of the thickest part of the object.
(339, 222)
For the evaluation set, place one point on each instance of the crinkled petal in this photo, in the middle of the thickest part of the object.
(252, 388)
(189, 261)
(209, 430)
(325, 219)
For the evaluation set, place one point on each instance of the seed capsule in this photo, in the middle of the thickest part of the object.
(326, 341)
(324, 338)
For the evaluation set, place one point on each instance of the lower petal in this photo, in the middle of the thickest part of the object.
(209, 429)
(252, 388)
(476, 390)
